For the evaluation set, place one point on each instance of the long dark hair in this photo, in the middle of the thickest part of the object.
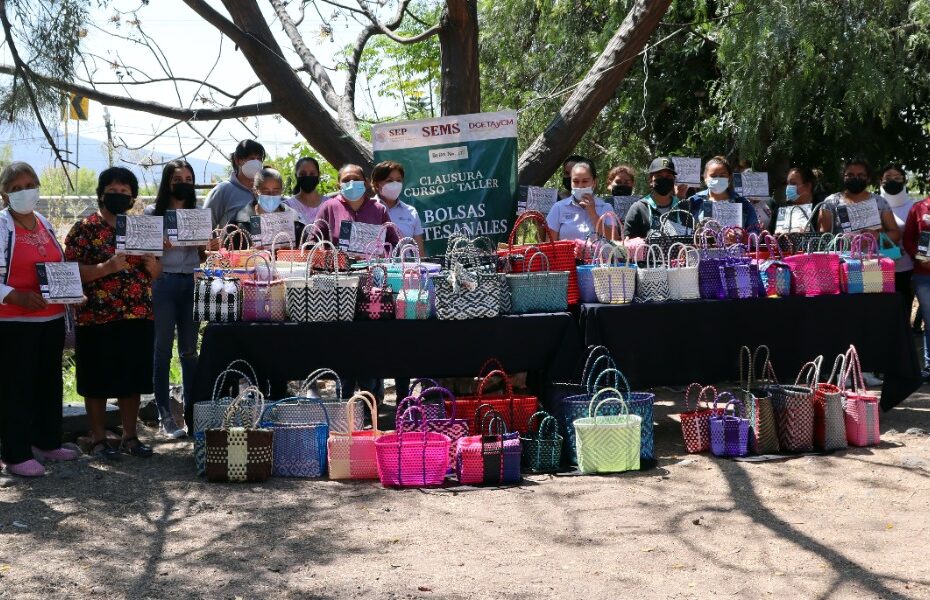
(163, 199)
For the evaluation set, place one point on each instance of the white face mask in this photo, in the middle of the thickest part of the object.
(718, 185)
(580, 193)
(250, 168)
(24, 201)
(391, 190)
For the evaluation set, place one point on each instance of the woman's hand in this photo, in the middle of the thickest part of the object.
(26, 299)
(213, 244)
(152, 265)
(116, 263)
(587, 203)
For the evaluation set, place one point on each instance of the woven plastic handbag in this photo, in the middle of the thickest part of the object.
(239, 453)
(614, 283)
(209, 414)
(673, 228)
(263, 292)
(587, 255)
(738, 278)
(729, 432)
(683, 283)
(608, 444)
(652, 279)
(351, 455)
(322, 296)
(299, 438)
(414, 300)
(453, 427)
(877, 271)
(375, 297)
(850, 267)
(829, 420)
(860, 406)
(235, 245)
(493, 457)
(538, 290)
(794, 410)
(561, 254)
(695, 424)
(594, 357)
(412, 458)
(467, 292)
(815, 272)
(638, 403)
(336, 409)
(757, 399)
(575, 406)
(712, 258)
(541, 444)
(515, 409)
(217, 296)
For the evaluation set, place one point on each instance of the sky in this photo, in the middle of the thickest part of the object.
(190, 46)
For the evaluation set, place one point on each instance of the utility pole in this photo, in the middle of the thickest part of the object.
(109, 125)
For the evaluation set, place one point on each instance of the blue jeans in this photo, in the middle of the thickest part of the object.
(921, 284)
(173, 303)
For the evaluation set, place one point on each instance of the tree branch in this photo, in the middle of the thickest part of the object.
(22, 69)
(211, 16)
(155, 108)
(388, 29)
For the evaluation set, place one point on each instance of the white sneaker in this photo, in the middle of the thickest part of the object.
(871, 380)
(170, 429)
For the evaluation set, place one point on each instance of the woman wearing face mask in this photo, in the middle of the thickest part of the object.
(267, 187)
(645, 214)
(32, 330)
(352, 204)
(575, 217)
(799, 192)
(173, 296)
(306, 199)
(856, 176)
(894, 191)
(621, 180)
(718, 176)
(114, 337)
(387, 180)
(229, 197)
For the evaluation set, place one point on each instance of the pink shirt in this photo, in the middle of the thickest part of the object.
(306, 213)
(31, 247)
(336, 210)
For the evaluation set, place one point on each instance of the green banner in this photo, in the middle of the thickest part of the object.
(460, 173)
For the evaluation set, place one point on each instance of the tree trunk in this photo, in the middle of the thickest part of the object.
(577, 115)
(458, 53)
(294, 101)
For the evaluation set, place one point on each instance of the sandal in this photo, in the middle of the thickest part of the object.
(136, 448)
(101, 449)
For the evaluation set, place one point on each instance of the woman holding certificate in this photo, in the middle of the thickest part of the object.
(353, 205)
(856, 209)
(173, 292)
(32, 329)
(720, 202)
(114, 337)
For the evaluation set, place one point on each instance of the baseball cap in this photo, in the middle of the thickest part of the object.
(663, 163)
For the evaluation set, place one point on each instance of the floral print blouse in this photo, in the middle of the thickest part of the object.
(123, 295)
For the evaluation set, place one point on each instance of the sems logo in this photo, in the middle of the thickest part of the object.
(437, 130)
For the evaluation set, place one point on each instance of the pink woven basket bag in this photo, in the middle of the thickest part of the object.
(815, 272)
(493, 456)
(412, 459)
(352, 455)
(877, 271)
(860, 406)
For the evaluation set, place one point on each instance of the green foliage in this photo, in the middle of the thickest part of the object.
(329, 180)
(55, 183)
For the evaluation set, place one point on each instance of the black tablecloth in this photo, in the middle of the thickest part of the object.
(683, 342)
(548, 344)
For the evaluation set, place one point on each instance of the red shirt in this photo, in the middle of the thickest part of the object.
(32, 247)
(123, 295)
(913, 227)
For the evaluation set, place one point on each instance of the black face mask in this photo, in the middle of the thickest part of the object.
(117, 203)
(307, 183)
(854, 185)
(567, 183)
(663, 187)
(893, 187)
(621, 190)
(184, 191)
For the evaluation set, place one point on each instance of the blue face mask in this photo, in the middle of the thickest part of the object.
(791, 193)
(269, 203)
(353, 190)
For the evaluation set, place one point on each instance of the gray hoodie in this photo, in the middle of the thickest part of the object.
(226, 200)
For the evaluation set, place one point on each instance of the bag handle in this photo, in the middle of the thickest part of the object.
(236, 407)
(222, 378)
(255, 257)
(318, 374)
(854, 368)
(490, 365)
(688, 392)
(480, 413)
(371, 282)
(703, 396)
(593, 373)
(241, 235)
(528, 264)
(401, 408)
(507, 385)
(620, 376)
(594, 353)
(371, 402)
(663, 220)
(812, 370)
(533, 216)
(419, 422)
(839, 366)
(731, 400)
(403, 244)
(241, 363)
(543, 422)
(594, 408)
(444, 392)
(654, 252)
(323, 246)
(601, 226)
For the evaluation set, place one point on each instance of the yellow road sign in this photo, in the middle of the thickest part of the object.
(78, 107)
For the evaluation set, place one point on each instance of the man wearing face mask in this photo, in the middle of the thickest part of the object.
(32, 330)
(646, 212)
(353, 204)
(575, 217)
(567, 165)
(229, 197)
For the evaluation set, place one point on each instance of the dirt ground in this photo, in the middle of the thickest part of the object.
(854, 524)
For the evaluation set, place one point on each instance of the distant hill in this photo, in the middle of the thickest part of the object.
(28, 144)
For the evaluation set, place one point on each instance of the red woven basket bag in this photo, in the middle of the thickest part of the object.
(561, 256)
(516, 409)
